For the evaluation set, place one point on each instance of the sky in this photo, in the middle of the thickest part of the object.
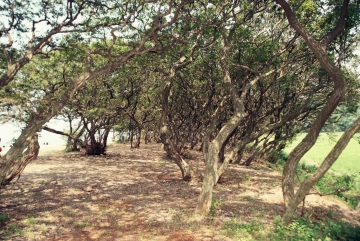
(10, 131)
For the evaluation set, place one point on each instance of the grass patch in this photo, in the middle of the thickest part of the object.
(346, 187)
(300, 229)
(215, 207)
(30, 221)
(68, 213)
(307, 230)
(14, 229)
(343, 186)
(347, 162)
(83, 224)
(243, 231)
(343, 179)
(4, 217)
(44, 230)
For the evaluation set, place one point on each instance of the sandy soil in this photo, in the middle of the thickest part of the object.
(138, 194)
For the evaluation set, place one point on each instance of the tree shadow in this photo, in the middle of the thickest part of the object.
(132, 194)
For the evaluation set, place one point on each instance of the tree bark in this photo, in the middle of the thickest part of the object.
(305, 186)
(214, 151)
(138, 140)
(319, 49)
(165, 134)
(186, 171)
(212, 173)
(18, 166)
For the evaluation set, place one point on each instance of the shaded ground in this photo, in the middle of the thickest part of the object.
(137, 194)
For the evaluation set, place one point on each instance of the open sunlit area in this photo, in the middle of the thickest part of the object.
(347, 163)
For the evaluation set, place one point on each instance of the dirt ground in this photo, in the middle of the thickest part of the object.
(138, 194)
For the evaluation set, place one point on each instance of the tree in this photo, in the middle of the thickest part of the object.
(143, 112)
(262, 96)
(266, 111)
(30, 154)
(143, 31)
(101, 103)
(172, 144)
(319, 47)
(75, 131)
(25, 19)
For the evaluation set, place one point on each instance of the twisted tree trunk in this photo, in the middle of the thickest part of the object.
(166, 136)
(305, 186)
(30, 154)
(291, 198)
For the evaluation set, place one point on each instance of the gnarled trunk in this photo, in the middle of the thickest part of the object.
(166, 136)
(73, 138)
(305, 187)
(97, 146)
(215, 153)
(211, 177)
(18, 166)
(292, 199)
(186, 171)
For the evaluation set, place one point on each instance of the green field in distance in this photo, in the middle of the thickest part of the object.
(347, 163)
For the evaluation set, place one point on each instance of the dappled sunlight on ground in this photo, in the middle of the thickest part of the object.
(136, 194)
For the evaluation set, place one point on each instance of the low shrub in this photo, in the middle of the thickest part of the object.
(278, 158)
(341, 186)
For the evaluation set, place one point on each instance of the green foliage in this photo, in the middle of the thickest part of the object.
(4, 217)
(215, 206)
(30, 221)
(278, 158)
(342, 186)
(14, 229)
(305, 229)
(243, 231)
(68, 149)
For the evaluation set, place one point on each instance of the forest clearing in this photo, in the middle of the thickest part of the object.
(138, 194)
(222, 87)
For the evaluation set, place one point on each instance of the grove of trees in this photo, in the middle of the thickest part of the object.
(223, 77)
